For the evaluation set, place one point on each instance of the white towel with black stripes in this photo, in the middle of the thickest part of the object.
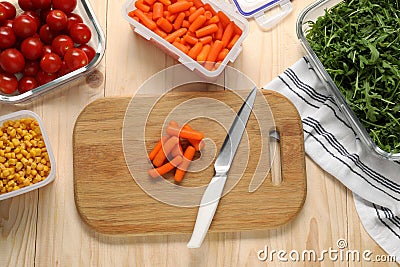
(332, 143)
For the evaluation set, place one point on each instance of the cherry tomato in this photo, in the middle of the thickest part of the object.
(26, 84)
(46, 35)
(34, 15)
(65, 5)
(11, 11)
(64, 69)
(62, 44)
(11, 60)
(75, 58)
(3, 13)
(24, 26)
(89, 51)
(57, 20)
(45, 77)
(32, 48)
(7, 37)
(47, 49)
(41, 4)
(31, 68)
(50, 63)
(26, 5)
(8, 23)
(80, 33)
(72, 19)
(8, 83)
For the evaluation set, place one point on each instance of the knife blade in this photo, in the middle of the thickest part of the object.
(213, 192)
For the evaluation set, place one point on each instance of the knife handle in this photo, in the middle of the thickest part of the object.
(208, 206)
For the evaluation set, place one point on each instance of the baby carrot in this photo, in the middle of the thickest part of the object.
(237, 30)
(212, 20)
(165, 2)
(185, 24)
(178, 21)
(181, 47)
(184, 165)
(202, 56)
(179, 6)
(142, 6)
(197, 23)
(195, 50)
(222, 55)
(233, 41)
(173, 123)
(190, 39)
(166, 167)
(206, 39)
(208, 7)
(208, 15)
(165, 150)
(207, 30)
(164, 24)
(195, 14)
(197, 144)
(176, 151)
(172, 36)
(184, 133)
(158, 11)
(192, 9)
(157, 148)
(145, 20)
(197, 3)
(150, 2)
(228, 33)
(223, 18)
(172, 17)
(219, 32)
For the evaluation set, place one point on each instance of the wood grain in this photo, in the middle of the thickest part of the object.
(128, 209)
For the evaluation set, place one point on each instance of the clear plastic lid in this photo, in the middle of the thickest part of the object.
(258, 9)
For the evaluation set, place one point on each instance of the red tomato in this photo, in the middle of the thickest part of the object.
(61, 44)
(7, 37)
(26, 84)
(8, 23)
(64, 69)
(47, 49)
(31, 68)
(26, 5)
(46, 35)
(8, 83)
(24, 26)
(11, 11)
(80, 33)
(33, 15)
(11, 60)
(57, 20)
(41, 4)
(89, 51)
(73, 19)
(3, 13)
(75, 58)
(32, 48)
(50, 63)
(45, 77)
(65, 5)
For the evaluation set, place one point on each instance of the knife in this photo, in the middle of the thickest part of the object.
(212, 194)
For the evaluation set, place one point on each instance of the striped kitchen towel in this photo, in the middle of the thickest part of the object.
(332, 143)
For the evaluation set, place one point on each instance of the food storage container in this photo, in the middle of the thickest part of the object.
(97, 41)
(310, 14)
(237, 12)
(23, 114)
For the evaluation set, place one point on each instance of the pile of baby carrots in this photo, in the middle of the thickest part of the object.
(193, 27)
(168, 153)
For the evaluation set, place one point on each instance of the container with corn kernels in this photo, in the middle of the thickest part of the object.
(26, 159)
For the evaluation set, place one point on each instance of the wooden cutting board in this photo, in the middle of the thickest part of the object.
(110, 201)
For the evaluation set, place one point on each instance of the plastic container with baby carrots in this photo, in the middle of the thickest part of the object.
(203, 35)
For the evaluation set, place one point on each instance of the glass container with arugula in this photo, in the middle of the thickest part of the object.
(355, 48)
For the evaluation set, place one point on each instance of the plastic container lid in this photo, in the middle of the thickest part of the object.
(258, 8)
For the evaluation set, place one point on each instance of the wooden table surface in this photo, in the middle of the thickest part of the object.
(43, 228)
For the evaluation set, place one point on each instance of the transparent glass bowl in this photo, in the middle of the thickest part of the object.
(311, 13)
(97, 41)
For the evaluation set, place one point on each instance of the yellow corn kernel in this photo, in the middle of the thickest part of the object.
(24, 161)
(19, 156)
(19, 166)
(28, 170)
(8, 149)
(15, 188)
(26, 182)
(12, 161)
(34, 172)
(46, 168)
(6, 173)
(15, 141)
(3, 159)
(40, 167)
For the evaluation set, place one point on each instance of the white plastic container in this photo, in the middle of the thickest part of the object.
(50, 178)
(236, 13)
